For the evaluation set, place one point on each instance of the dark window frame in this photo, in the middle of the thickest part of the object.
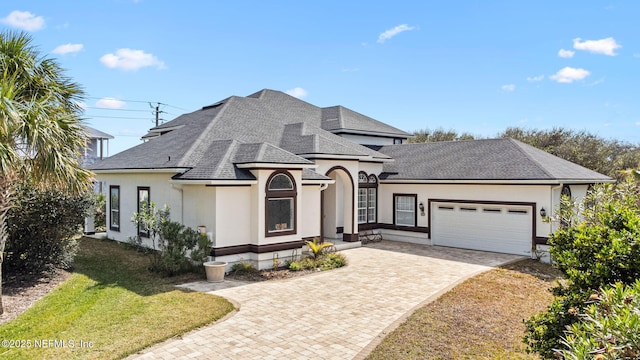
(114, 226)
(415, 209)
(141, 232)
(280, 194)
(370, 182)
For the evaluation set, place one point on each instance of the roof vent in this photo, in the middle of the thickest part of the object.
(213, 105)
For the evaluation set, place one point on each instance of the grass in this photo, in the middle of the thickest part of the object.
(112, 302)
(481, 318)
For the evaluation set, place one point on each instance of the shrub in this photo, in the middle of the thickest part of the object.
(243, 268)
(318, 248)
(326, 262)
(100, 212)
(609, 326)
(42, 227)
(599, 247)
(178, 247)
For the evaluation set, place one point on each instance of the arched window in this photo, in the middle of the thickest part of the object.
(566, 191)
(367, 198)
(280, 204)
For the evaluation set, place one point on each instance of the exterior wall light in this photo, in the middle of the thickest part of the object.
(421, 206)
(543, 212)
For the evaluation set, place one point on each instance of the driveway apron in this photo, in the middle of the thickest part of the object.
(337, 314)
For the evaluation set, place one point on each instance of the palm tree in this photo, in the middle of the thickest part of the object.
(41, 131)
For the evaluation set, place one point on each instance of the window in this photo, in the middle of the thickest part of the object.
(404, 209)
(280, 204)
(143, 201)
(367, 198)
(565, 196)
(114, 208)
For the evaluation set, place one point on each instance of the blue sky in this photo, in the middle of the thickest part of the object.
(472, 66)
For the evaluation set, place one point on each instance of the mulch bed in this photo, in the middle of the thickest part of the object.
(270, 274)
(21, 291)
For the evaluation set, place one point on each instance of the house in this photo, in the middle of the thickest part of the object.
(263, 173)
(95, 149)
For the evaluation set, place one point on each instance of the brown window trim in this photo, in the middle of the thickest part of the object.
(415, 209)
(367, 185)
(141, 233)
(111, 227)
(280, 194)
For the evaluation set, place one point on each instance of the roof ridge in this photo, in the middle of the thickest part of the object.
(196, 142)
(518, 146)
(231, 149)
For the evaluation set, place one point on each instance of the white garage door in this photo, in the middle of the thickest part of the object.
(499, 228)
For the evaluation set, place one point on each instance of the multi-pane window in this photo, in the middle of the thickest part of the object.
(114, 207)
(404, 208)
(280, 204)
(143, 205)
(367, 198)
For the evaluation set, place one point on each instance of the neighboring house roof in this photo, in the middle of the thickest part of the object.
(472, 160)
(96, 134)
(266, 127)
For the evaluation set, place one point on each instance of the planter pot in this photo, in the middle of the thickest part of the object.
(215, 270)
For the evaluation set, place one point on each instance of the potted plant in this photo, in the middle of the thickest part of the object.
(215, 270)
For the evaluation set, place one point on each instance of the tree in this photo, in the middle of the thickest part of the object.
(426, 135)
(608, 157)
(40, 126)
(599, 247)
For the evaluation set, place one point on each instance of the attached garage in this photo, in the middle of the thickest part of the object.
(490, 226)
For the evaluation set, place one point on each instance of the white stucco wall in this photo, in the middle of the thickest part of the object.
(233, 216)
(200, 207)
(160, 192)
(540, 195)
(310, 211)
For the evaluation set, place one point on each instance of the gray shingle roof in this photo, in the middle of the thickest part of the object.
(495, 159)
(96, 134)
(265, 127)
(339, 119)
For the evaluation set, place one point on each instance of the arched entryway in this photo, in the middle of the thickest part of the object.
(338, 219)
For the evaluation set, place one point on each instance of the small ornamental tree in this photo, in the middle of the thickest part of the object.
(600, 246)
(176, 248)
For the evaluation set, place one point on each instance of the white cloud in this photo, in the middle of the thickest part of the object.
(603, 46)
(24, 20)
(129, 59)
(110, 103)
(637, 123)
(508, 87)
(297, 92)
(569, 75)
(393, 32)
(535, 78)
(67, 49)
(636, 55)
(566, 53)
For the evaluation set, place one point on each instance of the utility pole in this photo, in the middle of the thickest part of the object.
(157, 111)
(157, 114)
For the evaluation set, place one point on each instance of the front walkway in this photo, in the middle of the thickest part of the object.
(337, 314)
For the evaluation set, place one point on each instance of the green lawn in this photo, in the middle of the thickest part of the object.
(110, 307)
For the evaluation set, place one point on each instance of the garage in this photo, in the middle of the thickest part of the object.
(504, 228)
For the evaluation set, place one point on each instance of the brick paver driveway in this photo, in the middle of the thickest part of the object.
(338, 314)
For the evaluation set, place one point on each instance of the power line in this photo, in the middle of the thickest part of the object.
(118, 117)
(111, 109)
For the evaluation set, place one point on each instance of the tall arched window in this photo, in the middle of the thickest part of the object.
(367, 198)
(280, 204)
(565, 196)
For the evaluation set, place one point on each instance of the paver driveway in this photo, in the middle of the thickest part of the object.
(338, 314)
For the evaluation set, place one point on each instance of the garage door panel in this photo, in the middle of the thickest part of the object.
(496, 228)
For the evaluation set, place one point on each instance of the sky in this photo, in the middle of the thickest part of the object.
(470, 66)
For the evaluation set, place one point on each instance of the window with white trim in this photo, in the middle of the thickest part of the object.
(280, 204)
(404, 209)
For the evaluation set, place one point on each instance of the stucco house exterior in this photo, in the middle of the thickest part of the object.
(263, 173)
